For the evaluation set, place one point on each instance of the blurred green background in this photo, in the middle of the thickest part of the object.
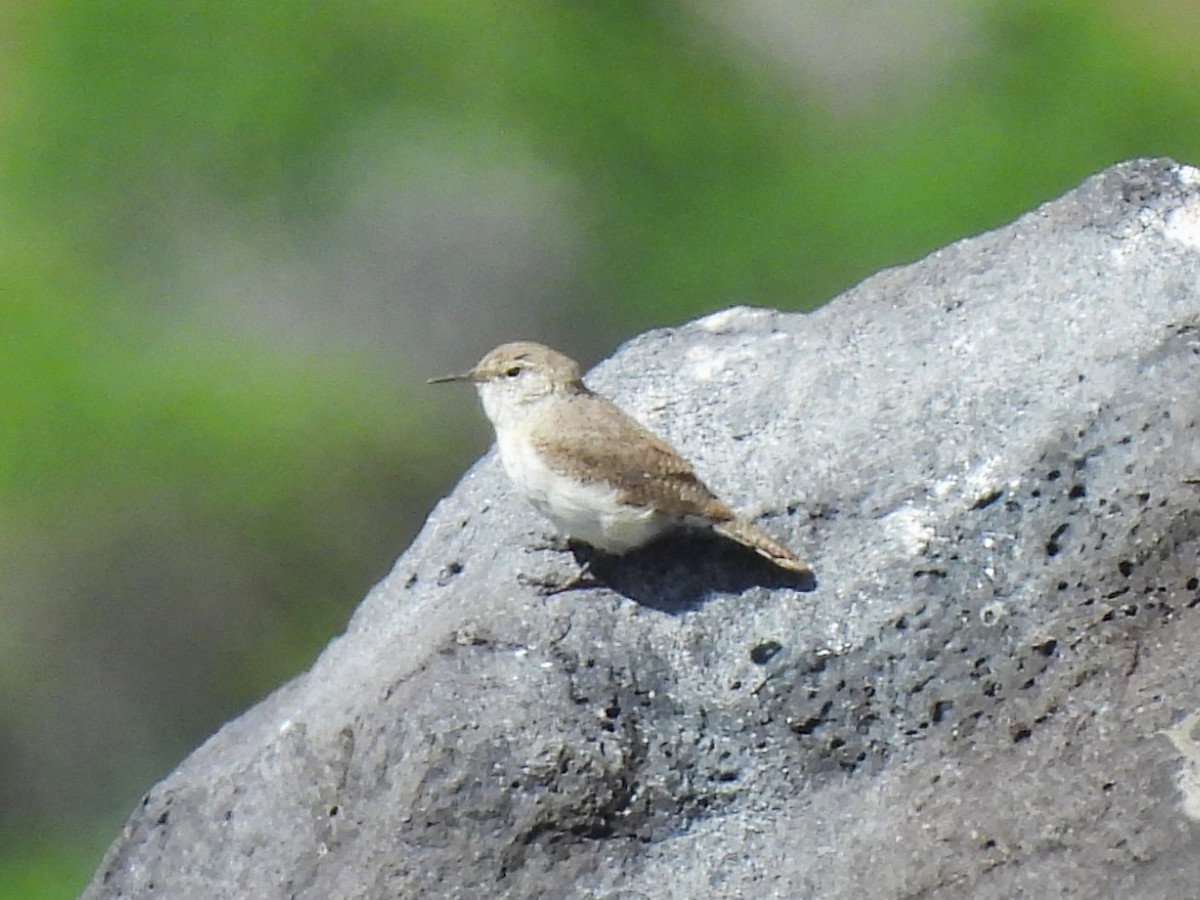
(238, 236)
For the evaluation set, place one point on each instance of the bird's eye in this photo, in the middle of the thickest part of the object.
(512, 371)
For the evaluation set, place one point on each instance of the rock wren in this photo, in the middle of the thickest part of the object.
(586, 465)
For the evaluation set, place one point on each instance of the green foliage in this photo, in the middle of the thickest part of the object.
(58, 867)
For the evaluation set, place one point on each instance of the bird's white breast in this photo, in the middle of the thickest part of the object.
(586, 510)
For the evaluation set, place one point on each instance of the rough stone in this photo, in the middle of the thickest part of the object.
(992, 460)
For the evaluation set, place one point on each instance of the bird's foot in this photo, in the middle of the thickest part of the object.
(550, 586)
(554, 542)
(583, 579)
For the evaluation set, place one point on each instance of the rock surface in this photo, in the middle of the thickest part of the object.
(992, 460)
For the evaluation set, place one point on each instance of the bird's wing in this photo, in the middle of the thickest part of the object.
(601, 438)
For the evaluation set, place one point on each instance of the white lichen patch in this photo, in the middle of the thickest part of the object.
(1183, 225)
(705, 364)
(1189, 176)
(911, 528)
(975, 485)
(726, 320)
(1188, 778)
(725, 364)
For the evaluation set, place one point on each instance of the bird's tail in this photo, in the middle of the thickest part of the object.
(750, 535)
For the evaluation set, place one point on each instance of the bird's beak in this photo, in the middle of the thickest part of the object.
(442, 379)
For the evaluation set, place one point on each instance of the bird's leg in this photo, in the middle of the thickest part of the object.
(582, 579)
(553, 540)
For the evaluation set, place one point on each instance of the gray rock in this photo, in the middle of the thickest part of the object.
(992, 460)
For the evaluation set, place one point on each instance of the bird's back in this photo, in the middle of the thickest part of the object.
(601, 442)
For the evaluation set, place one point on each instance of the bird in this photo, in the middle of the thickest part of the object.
(594, 471)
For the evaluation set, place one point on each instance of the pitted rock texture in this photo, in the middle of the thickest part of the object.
(992, 460)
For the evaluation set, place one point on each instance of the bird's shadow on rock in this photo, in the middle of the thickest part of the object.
(678, 573)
